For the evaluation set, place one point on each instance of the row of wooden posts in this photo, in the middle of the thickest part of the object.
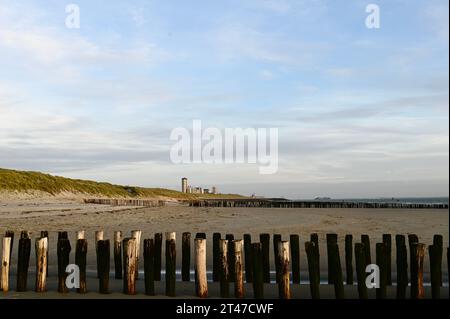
(234, 261)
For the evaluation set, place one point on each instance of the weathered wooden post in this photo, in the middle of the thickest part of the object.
(417, 291)
(295, 257)
(438, 252)
(216, 257)
(313, 265)
(63, 235)
(387, 240)
(6, 258)
(99, 235)
(258, 282)
(103, 254)
(402, 266)
(129, 266)
(314, 238)
(41, 250)
(224, 274)
(413, 240)
(284, 282)
(44, 234)
(201, 284)
(265, 246)
(186, 257)
(238, 269)
(349, 259)
(80, 261)
(366, 241)
(149, 266)
(248, 257)
(63, 253)
(170, 264)
(276, 241)
(10, 234)
(230, 239)
(23, 261)
(158, 253)
(336, 270)
(381, 262)
(331, 240)
(137, 234)
(118, 254)
(434, 272)
(360, 263)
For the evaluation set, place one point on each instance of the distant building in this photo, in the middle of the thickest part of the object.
(206, 191)
(214, 190)
(189, 189)
(184, 185)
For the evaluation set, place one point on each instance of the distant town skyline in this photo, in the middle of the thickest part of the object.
(360, 112)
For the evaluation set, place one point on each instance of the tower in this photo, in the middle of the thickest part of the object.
(184, 185)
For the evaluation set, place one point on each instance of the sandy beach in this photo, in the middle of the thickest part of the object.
(69, 215)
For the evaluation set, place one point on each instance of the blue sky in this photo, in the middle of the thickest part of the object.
(361, 112)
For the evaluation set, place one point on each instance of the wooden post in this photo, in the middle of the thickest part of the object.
(103, 253)
(23, 261)
(44, 234)
(238, 269)
(129, 266)
(80, 261)
(387, 240)
(10, 234)
(63, 235)
(63, 253)
(276, 241)
(314, 238)
(201, 283)
(230, 239)
(349, 259)
(366, 241)
(149, 266)
(248, 257)
(284, 282)
(438, 252)
(170, 264)
(360, 262)
(265, 246)
(313, 265)
(331, 240)
(417, 291)
(118, 254)
(41, 264)
(381, 261)
(81, 234)
(158, 253)
(216, 257)
(137, 234)
(186, 257)
(295, 257)
(99, 235)
(6, 259)
(223, 271)
(336, 270)
(434, 272)
(402, 266)
(413, 240)
(258, 279)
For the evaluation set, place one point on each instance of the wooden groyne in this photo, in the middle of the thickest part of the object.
(235, 261)
(125, 202)
(269, 203)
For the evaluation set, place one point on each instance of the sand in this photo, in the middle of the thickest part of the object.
(72, 215)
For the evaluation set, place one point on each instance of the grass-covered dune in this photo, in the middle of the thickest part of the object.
(24, 182)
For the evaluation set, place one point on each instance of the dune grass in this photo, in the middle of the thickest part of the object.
(23, 181)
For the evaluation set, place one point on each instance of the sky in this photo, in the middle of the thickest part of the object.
(360, 112)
